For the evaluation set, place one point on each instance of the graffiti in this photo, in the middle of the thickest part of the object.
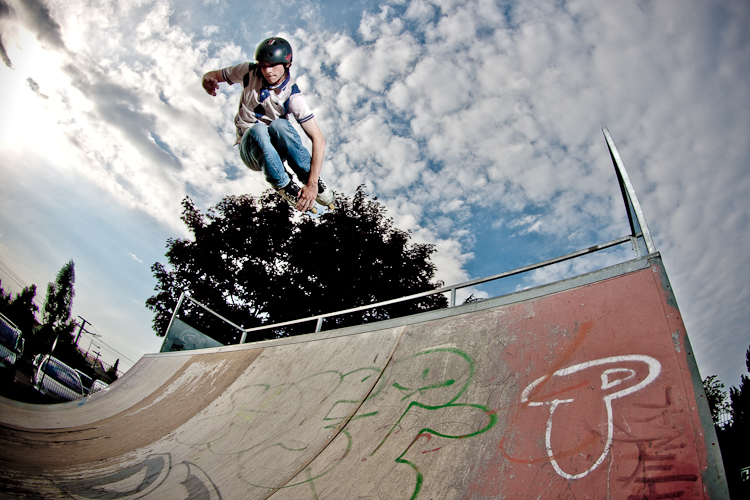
(659, 469)
(430, 394)
(152, 477)
(410, 411)
(408, 388)
(625, 378)
(256, 425)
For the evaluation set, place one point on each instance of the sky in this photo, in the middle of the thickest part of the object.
(477, 123)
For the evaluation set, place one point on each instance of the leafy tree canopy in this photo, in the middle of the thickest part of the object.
(716, 396)
(734, 434)
(21, 309)
(255, 261)
(740, 398)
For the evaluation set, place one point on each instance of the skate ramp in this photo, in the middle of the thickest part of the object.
(581, 389)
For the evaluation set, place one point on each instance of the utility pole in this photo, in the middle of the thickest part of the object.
(90, 344)
(80, 330)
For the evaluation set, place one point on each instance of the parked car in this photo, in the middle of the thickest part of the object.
(11, 343)
(98, 385)
(57, 380)
(86, 381)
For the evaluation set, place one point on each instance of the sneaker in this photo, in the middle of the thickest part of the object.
(290, 193)
(325, 195)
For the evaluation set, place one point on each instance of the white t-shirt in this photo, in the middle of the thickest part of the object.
(263, 103)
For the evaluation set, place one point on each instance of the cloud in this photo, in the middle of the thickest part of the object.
(35, 88)
(36, 15)
(7, 14)
(6, 11)
(4, 54)
(131, 103)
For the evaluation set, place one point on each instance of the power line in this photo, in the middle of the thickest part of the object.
(17, 279)
(111, 349)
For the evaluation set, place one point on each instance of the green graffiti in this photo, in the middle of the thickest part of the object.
(311, 483)
(402, 385)
(422, 390)
(346, 418)
(420, 477)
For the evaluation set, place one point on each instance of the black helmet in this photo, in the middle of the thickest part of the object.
(274, 50)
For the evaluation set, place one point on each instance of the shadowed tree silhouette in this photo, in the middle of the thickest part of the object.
(255, 262)
(735, 434)
(21, 309)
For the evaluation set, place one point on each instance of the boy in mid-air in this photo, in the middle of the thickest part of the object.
(265, 136)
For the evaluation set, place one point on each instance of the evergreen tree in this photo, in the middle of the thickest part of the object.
(56, 319)
(112, 372)
(255, 261)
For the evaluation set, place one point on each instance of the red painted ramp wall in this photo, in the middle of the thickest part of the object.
(590, 393)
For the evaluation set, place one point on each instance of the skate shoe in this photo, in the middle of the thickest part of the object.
(290, 193)
(325, 195)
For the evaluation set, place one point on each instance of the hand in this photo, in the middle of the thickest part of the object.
(307, 195)
(211, 85)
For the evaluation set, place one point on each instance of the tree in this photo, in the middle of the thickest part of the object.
(255, 262)
(740, 399)
(351, 257)
(21, 310)
(735, 434)
(717, 398)
(233, 264)
(112, 371)
(56, 321)
(5, 298)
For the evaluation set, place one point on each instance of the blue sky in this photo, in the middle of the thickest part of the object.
(476, 122)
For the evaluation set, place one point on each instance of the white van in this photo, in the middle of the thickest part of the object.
(98, 385)
(56, 379)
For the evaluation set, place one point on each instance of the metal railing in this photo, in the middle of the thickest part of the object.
(638, 228)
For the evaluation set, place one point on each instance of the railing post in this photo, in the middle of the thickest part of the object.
(174, 315)
(635, 213)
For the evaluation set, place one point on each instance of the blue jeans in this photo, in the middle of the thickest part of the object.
(266, 147)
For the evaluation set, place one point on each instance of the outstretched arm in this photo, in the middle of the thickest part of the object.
(211, 81)
(309, 191)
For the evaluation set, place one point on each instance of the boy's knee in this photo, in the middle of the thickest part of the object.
(281, 128)
(258, 131)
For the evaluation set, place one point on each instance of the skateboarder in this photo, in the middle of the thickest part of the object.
(265, 136)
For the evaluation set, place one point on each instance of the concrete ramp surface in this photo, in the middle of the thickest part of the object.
(581, 389)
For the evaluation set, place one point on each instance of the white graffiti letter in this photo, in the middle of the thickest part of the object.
(611, 377)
